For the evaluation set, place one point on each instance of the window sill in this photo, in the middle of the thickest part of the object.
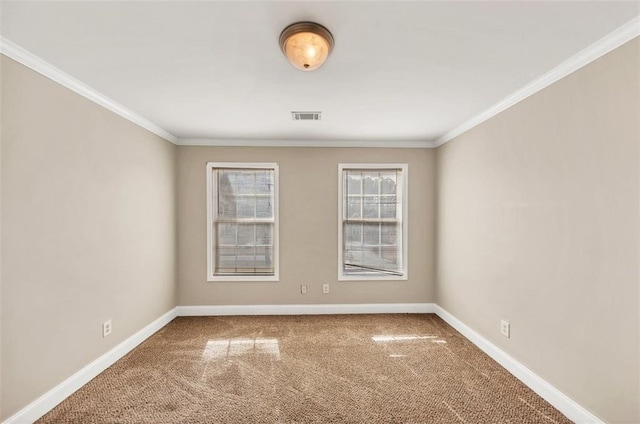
(372, 277)
(241, 278)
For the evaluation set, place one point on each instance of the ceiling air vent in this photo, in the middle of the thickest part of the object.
(306, 116)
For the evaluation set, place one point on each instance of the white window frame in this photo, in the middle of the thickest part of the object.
(212, 207)
(404, 193)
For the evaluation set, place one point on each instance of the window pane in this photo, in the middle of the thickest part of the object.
(353, 207)
(371, 180)
(353, 256)
(246, 257)
(245, 207)
(236, 189)
(264, 182)
(226, 195)
(388, 184)
(388, 207)
(228, 181)
(227, 234)
(264, 207)
(226, 258)
(389, 234)
(390, 257)
(371, 234)
(353, 233)
(246, 235)
(353, 182)
(371, 207)
(246, 182)
(264, 234)
(264, 258)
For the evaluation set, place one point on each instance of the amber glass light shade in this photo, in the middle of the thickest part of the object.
(306, 44)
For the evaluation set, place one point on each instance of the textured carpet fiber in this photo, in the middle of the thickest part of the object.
(306, 369)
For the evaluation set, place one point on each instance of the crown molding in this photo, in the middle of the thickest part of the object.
(28, 59)
(601, 47)
(230, 142)
(611, 41)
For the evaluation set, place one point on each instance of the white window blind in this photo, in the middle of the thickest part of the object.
(373, 227)
(243, 223)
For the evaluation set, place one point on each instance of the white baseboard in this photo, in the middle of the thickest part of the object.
(49, 400)
(53, 397)
(317, 309)
(555, 397)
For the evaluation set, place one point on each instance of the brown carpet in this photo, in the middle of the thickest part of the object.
(306, 369)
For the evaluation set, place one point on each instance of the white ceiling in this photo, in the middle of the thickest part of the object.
(399, 71)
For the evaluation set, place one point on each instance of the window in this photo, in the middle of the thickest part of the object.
(372, 210)
(242, 221)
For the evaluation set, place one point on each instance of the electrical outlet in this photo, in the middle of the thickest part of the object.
(325, 288)
(106, 328)
(303, 288)
(505, 328)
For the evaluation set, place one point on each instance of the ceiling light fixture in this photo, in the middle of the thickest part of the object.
(306, 44)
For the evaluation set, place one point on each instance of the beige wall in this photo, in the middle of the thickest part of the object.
(1, 270)
(538, 224)
(308, 228)
(88, 232)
